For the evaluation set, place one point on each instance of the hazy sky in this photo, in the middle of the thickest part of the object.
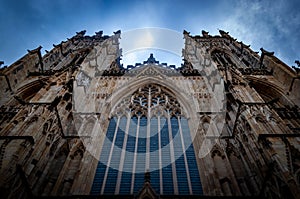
(271, 24)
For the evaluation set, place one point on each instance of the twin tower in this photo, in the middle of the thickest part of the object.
(76, 123)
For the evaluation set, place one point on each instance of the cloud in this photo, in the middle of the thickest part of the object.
(166, 45)
(269, 24)
(137, 39)
(273, 25)
(155, 38)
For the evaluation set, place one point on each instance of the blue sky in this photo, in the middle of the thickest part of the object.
(271, 24)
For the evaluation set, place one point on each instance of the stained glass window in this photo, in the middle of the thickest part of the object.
(154, 135)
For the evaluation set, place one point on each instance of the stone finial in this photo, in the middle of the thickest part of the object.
(81, 33)
(223, 33)
(186, 32)
(151, 60)
(297, 62)
(205, 34)
(263, 54)
(243, 46)
(117, 32)
(35, 50)
(297, 69)
(99, 33)
(226, 35)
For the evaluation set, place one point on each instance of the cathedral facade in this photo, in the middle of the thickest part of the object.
(76, 123)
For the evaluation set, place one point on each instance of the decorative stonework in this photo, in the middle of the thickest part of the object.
(149, 101)
(83, 80)
(55, 110)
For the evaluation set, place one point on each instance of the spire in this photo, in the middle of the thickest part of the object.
(151, 60)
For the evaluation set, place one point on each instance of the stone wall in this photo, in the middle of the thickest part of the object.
(55, 111)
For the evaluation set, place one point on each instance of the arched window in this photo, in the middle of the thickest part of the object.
(148, 133)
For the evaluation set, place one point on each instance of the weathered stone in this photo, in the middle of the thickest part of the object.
(242, 111)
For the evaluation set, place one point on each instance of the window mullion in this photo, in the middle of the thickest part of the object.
(122, 158)
(110, 156)
(171, 143)
(185, 159)
(135, 156)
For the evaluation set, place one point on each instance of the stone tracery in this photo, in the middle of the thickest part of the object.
(149, 100)
(256, 133)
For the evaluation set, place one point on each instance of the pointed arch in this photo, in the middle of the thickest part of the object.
(54, 169)
(151, 118)
(187, 104)
(88, 126)
(77, 122)
(30, 88)
(149, 100)
(205, 122)
(270, 91)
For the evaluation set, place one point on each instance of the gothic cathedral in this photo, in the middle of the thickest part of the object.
(77, 123)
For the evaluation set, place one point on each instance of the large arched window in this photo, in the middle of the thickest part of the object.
(148, 133)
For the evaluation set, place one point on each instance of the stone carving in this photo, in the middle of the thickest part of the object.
(263, 54)
(188, 70)
(256, 155)
(83, 80)
(205, 34)
(151, 60)
(149, 99)
(115, 69)
(297, 69)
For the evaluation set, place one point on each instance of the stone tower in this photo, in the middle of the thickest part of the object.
(76, 123)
